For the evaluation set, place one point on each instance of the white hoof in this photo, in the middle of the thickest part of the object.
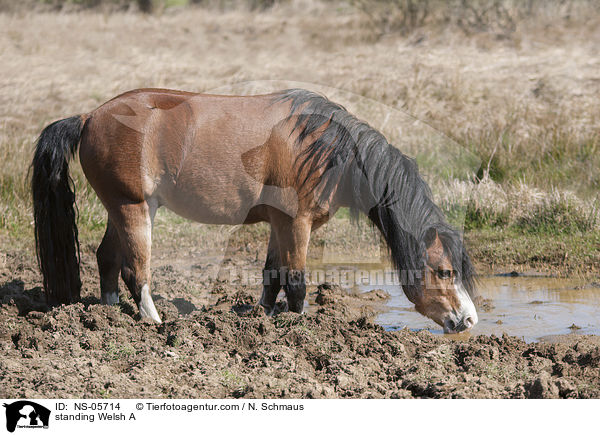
(147, 308)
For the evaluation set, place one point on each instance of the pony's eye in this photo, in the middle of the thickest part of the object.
(445, 273)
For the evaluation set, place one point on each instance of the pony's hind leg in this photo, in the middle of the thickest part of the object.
(293, 236)
(134, 224)
(271, 282)
(109, 265)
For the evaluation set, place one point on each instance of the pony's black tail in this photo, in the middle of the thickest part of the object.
(54, 210)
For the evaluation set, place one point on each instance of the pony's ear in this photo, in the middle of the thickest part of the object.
(431, 235)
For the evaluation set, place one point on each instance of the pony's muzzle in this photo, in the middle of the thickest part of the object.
(455, 324)
(464, 317)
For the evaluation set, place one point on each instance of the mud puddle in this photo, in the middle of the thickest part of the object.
(532, 308)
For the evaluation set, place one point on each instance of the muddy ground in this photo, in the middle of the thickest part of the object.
(215, 343)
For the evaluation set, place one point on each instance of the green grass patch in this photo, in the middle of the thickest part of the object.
(115, 351)
(557, 254)
(475, 216)
(557, 218)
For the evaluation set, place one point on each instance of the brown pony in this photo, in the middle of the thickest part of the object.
(291, 159)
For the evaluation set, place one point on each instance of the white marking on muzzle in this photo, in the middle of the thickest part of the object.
(147, 308)
(467, 313)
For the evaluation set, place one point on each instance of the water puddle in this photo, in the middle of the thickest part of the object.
(533, 308)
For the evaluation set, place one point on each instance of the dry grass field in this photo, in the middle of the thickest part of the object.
(524, 103)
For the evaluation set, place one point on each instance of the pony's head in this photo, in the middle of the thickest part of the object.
(446, 282)
(434, 268)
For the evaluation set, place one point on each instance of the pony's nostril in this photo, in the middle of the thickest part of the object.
(450, 324)
(469, 322)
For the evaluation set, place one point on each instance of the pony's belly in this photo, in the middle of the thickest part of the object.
(212, 208)
(230, 204)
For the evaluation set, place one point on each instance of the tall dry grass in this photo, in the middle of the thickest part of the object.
(523, 103)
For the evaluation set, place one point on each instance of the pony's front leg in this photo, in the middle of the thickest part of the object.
(271, 281)
(134, 225)
(293, 237)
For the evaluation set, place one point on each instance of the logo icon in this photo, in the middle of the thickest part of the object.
(26, 414)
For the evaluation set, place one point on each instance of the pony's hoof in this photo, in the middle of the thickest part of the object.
(147, 308)
(269, 311)
(110, 298)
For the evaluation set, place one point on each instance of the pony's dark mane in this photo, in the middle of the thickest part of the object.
(377, 179)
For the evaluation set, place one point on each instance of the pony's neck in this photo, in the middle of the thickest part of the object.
(386, 186)
(404, 246)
